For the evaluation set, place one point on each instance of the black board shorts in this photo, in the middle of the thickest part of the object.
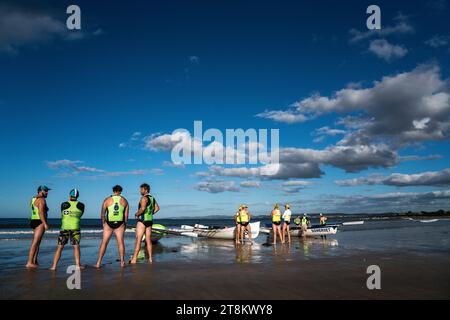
(277, 223)
(35, 223)
(114, 224)
(65, 235)
(146, 223)
(287, 222)
(244, 224)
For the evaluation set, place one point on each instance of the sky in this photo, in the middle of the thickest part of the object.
(363, 115)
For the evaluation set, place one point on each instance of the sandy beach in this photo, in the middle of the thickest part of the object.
(403, 277)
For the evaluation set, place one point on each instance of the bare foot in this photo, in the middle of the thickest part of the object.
(31, 265)
(53, 268)
(81, 267)
(122, 264)
(132, 261)
(150, 261)
(274, 243)
(98, 266)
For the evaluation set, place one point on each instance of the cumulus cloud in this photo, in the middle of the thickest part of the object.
(298, 163)
(216, 186)
(395, 201)
(294, 186)
(405, 108)
(21, 26)
(250, 184)
(431, 178)
(387, 51)
(68, 168)
(289, 116)
(71, 165)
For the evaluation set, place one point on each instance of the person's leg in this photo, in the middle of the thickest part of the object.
(242, 233)
(249, 229)
(34, 248)
(107, 233)
(279, 232)
(288, 230)
(274, 228)
(120, 232)
(284, 231)
(77, 255)
(148, 241)
(140, 230)
(58, 251)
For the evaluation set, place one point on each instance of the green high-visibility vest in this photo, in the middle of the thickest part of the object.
(304, 220)
(70, 217)
(34, 210)
(149, 209)
(115, 212)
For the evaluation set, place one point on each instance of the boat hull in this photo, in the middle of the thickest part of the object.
(226, 233)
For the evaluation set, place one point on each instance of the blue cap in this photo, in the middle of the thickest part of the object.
(74, 193)
(43, 188)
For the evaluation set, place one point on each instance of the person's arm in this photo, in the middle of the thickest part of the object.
(143, 205)
(103, 210)
(127, 211)
(81, 207)
(156, 207)
(249, 216)
(41, 210)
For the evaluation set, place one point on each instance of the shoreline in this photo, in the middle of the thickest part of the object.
(403, 276)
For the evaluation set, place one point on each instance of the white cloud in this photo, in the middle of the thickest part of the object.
(20, 27)
(402, 26)
(438, 41)
(250, 184)
(387, 51)
(431, 178)
(390, 109)
(217, 186)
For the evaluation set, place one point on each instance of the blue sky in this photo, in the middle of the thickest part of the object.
(363, 115)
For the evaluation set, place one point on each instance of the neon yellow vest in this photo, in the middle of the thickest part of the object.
(34, 210)
(238, 217)
(277, 216)
(70, 217)
(304, 220)
(244, 216)
(115, 211)
(149, 210)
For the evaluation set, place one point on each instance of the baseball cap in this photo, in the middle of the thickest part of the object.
(43, 188)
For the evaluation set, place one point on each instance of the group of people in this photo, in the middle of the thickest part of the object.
(303, 220)
(243, 216)
(114, 216)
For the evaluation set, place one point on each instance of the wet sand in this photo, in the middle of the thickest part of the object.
(403, 276)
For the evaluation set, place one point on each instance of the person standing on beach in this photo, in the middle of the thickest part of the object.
(245, 217)
(144, 216)
(38, 222)
(304, 225)
(286, 223)
(237, 222)
(323, 220)
(276, 223)
(71, 212)
(114, 216)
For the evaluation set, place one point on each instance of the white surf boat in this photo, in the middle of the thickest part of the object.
(312, 231)
(224, 233)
